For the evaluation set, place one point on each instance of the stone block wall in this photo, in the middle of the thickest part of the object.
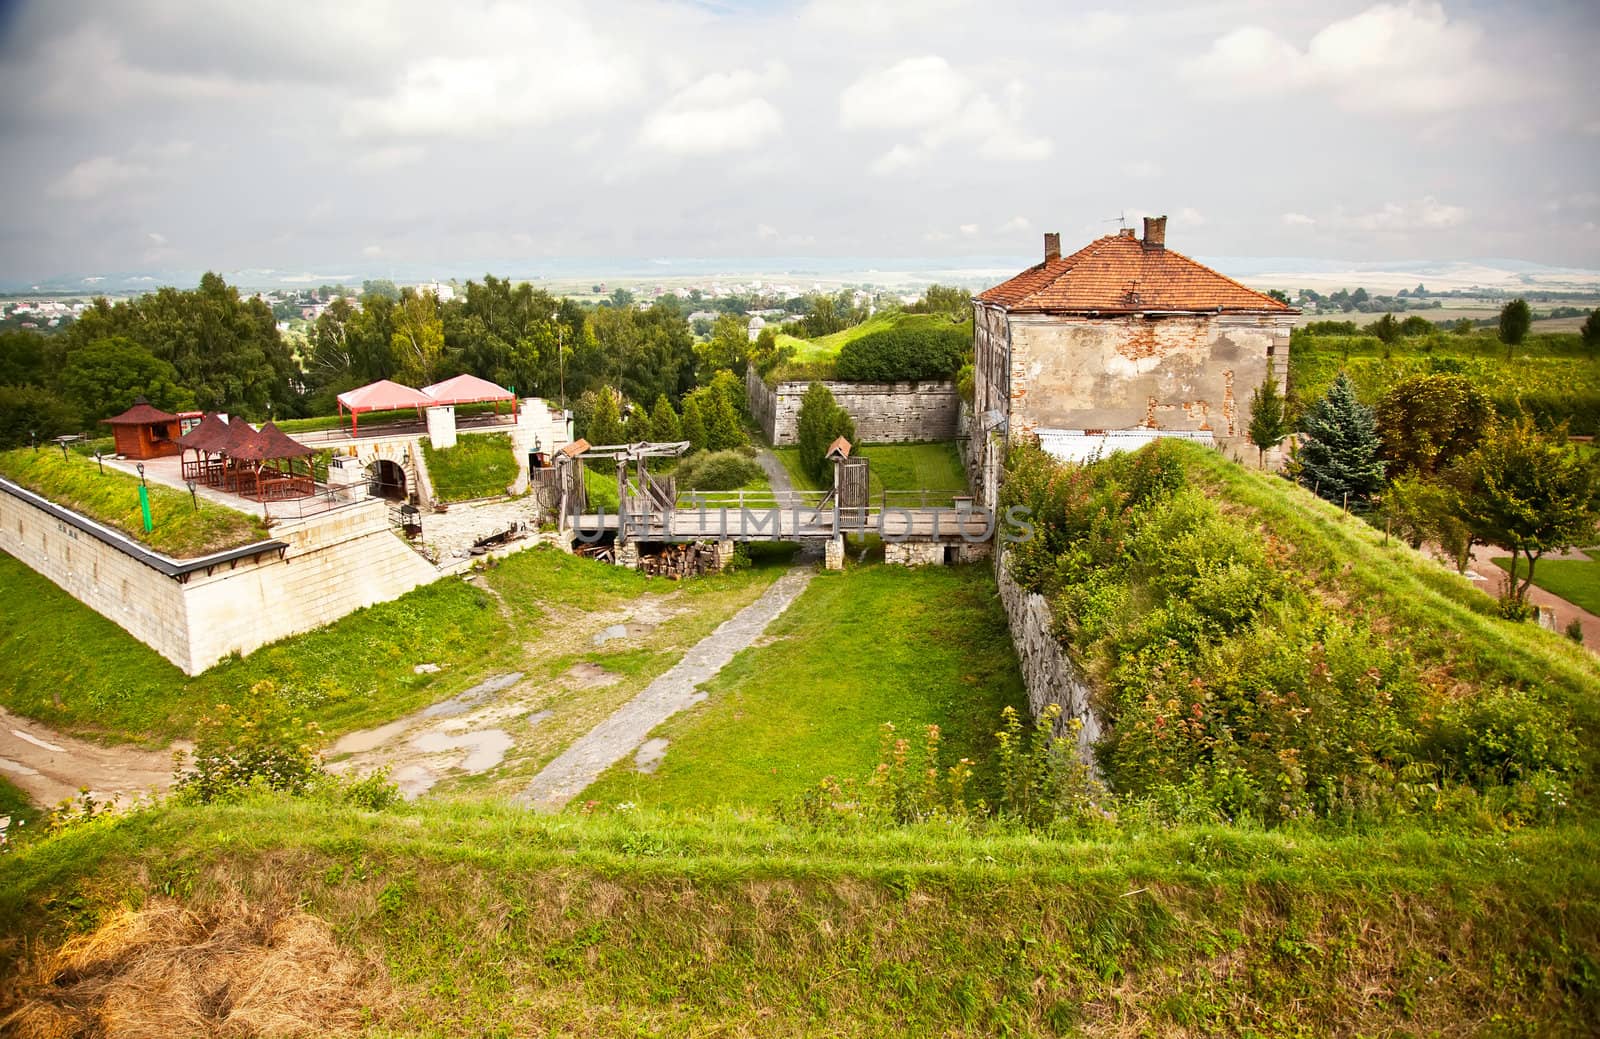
(1049, 674)
(884, 412)
(334, 564)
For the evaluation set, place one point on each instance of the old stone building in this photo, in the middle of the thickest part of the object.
(1114, 345)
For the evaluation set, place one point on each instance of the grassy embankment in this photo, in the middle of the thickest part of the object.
(1575, 580)
(442, 920)
(875, 644)
(813, 357)
(1550, 375)
(481, 465)
(179, 529)
(934, 467)
(73, 669)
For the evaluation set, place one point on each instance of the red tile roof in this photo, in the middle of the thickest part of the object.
(1119, 274)
(141, 414)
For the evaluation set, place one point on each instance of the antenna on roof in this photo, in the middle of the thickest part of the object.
(1121, 219)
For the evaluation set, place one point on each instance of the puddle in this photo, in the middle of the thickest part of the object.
(632, 630)
(368, 739)
(485, 748)
(461, 702)
(585, 675)
(648, 757)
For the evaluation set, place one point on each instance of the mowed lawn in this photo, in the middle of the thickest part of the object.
(481, 465)
(934, 467)
(1575, 580)
(872, 645)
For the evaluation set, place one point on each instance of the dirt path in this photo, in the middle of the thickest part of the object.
(777, 475)
(623, 733)
(51, 767)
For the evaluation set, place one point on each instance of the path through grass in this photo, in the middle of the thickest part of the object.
(872, 645)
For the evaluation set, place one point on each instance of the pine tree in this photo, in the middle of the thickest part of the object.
(821, 421)
(638, 425)
(1269, 420)
(694, 423)
(664, 425)
(1339, 457)
(605, 426)
(722, 425)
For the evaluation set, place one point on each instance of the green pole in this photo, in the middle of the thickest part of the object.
(144, 507)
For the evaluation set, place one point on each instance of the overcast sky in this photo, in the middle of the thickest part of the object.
(159, 134)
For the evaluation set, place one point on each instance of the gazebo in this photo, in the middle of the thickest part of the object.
(144, 431)
(239, 474)
(270, 483)
(382, 395)
(204, 440)
(469, 389)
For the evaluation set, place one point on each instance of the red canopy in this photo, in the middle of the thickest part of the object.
(467, 389)
(384, 395)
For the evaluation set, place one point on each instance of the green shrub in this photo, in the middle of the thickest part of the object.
(821, 421)
(904, 354)
(264, 744)
(717, 471)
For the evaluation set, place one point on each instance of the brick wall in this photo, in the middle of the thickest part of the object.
(1049, 674)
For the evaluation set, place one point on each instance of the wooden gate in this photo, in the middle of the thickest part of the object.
(852, 483)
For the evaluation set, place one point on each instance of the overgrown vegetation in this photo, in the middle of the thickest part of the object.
(820, 423)
(480, 465)
(905, 353)
(178, 527)
(719, 471)
(1250, 663)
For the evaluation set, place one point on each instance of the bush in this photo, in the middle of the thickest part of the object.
(904, 354)
(821, 421)
(28, 412)
(264, 744)
(717, 471)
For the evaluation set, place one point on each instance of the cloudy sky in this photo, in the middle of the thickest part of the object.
(164, 135)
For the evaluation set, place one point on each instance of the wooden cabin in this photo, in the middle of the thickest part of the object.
(144, 431)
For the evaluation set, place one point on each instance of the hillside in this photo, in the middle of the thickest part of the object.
(813, 355)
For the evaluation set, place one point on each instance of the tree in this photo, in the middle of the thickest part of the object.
(418, 338)
(1339, 457)
(605, 422)
(1426, 509)
(22, 359)
(821, 421)
(664, 425)
(382, 287)
(32, 414)
(1415, 325)
(1279, 295)
(727, 348)
(723, 431)
(1591, 334)
(1528, 493)
(637, 428)
(621, 299)
(1515, 320)
(1386, 328)
(107, 376)
(694, 423)
(1269, 420)
(1428, 421)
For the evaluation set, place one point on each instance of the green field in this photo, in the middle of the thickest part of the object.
(481, 465)
(1549, 376)
(179, 528)
(1574, 580)
(875, 644)
(934, 467)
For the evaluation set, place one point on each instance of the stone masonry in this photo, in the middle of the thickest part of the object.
(884, 412)
(1048, 672)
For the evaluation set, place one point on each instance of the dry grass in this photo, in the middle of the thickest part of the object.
(235, 968)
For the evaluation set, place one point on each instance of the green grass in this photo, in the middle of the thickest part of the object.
(23, 812)
(480, 920)
(371, 418)
(933, 467)
(179, 529)
(813, 356)
(875, 644)
(71, 668)
(1574, 580)
(481, 465)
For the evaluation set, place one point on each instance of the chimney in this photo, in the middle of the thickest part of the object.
(1052, 246)
(1155, 232)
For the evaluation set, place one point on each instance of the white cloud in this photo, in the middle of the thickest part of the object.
(1426, 214)
(372, 251)
(1390, 57)
(766, 232)
(718, 113)
(1016, 223)
(94, 177)
(156, 238)
(392, 157)
(1298, 220)
(912, 94)
(942, 106)
(1143, 169)
(970, 230)
(875, 19)
(1191, 217)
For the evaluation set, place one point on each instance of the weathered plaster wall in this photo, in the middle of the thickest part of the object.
(884, 412)
(334, 564)
(148, 604)
(1049, 674)
(1180, 372)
